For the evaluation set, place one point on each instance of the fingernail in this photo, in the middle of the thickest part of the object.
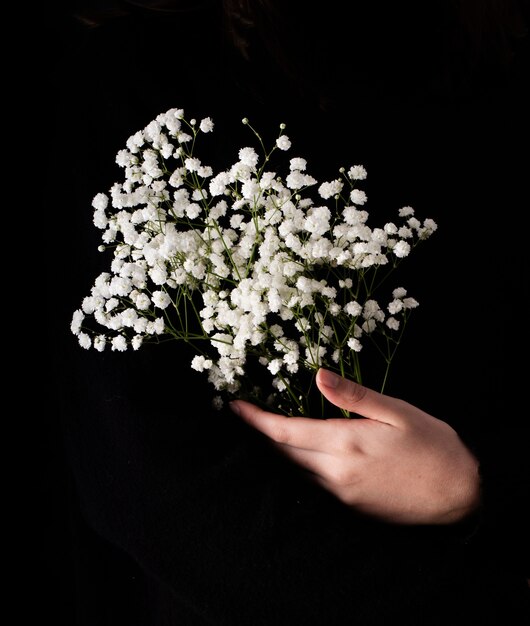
(328, 379)
(234, 407)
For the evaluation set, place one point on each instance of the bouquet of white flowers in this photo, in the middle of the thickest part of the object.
(251, 267)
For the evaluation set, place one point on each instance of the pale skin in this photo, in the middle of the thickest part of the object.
(395, 462)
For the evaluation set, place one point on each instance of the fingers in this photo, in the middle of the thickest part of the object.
(300, 432)
(318, 446)
(321, 435)
(349, 395)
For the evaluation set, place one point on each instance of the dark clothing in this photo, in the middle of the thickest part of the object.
(172, 513)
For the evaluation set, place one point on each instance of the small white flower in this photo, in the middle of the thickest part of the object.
(205, 171)
(100, 342)
(372, 310)
(353, 308)
(137, 341)
(124, 158)
(406, 211)
(274, 366)
(330, 189)
(410, 303)
(357, 172)
(100, 201)
(401, 249)
(158, 275)
(249, 157)
(250, 189)
(414, 223)
(206, 125)
(167, 150)
(111, 304)
(77, 320)
(84, 340)
(392, 323)
(183, 138)
(142, 302)
(279, 384)
(176, 179)
(157, 327)
(295, 180)
(218, 184)
(192, 164)
(354, 344)
(193, 210)
(119, 343)
(399, 292)
(357, 196)
(317, 221)
(283, 142)
(404, 232)
(430, 225)
(140, 325)
(369, 326)
(100, 220)
(160, 299)
(135, 142)
(395, 307)
(298, 164)
(200, 363)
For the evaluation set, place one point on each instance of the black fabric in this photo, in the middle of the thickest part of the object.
(163, 511)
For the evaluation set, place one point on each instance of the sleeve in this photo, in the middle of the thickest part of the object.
(502, 442)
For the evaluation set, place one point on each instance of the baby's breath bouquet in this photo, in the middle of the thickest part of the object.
(269, 275)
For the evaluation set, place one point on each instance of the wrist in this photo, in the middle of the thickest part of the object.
(464, 495)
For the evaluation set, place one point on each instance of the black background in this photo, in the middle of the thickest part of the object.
(70, 555)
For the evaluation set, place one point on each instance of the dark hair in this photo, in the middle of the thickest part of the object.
(442, 45)
(448, 42)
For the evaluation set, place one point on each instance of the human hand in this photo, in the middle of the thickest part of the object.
(398, 464)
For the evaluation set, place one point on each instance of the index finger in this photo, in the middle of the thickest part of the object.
(300, 432)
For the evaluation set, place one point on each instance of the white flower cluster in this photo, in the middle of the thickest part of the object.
(273, 277)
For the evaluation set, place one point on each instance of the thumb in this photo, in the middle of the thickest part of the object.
(349, 395)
